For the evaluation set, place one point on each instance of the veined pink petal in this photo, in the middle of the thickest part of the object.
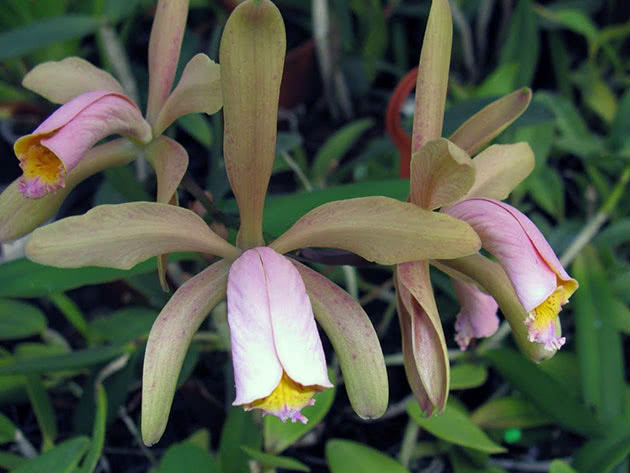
(60, 142)
(277, 354)
(540, 282)
(478, 315)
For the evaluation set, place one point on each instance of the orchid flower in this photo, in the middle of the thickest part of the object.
(442, 174)
(272, 300)
(61, 152)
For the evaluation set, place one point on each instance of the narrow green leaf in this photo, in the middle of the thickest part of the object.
(558, 466)
(123, 325)
(7, 429)
(335, 147)
(74, 360)
(509, 413)
(61, 459)
(98, 433)
(601, 455)
(23, 278)
(545, 392)
(468, 375)
(279, 436)
(43, 409)
(196, 126)
(20, 320)
(187, 457)
(456, 427)
(344, 456)
(71, 311)
(10, 461)
(26, 39)
(523, 29)
(273, 461)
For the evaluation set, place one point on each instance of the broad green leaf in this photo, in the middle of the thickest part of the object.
(558, 466)
(23, 278)
(20, 320)
(7, 429)
(545, 392)
(98, 433)
(10, 461)
(123, 325)
(456, 427)
(63, 458)
(279, 436)
(273, 461)
(239, 429)
(281, 211)
(615, 234)
(187, 457)
(26, 39)
(335, 147)
(547, 189)
(43, 408)
(468, 375)
(602, 454)
(573, 19)
(509, 412)
(344, 456)
(70, 361)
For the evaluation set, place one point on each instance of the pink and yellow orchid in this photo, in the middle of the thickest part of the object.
(61, 152)
(272, 300)
(442, 174)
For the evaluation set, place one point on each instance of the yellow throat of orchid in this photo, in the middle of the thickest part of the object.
(39, 161)
(286, 400)
(541, 322)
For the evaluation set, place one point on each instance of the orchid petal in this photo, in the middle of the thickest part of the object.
(432, 81)
(164, 46)
(499, 169)
(380, 229)
(493, 279)
(516, 242)
(252, 56)
(120, 236)
(441, 173)
(478, 315)
(485, 125)
(168, 343)
(423, 343)
(61, 81)
(19, 216)
(355, 342)
(60, 142)
(272, 328)
(198, 91)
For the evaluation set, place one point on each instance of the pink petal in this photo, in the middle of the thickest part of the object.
(478, 315)
(522, 250)
(58, 144)
(272, 327)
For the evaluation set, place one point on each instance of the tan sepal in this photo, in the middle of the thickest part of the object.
(380, 229)
(355, 342)
(486, 124)
(499, 169)
(198, 91)
(441, 174)
(168, 343)
(432, 81)
(61, 81)
(423, 344)
(120, 236)
(252, 57)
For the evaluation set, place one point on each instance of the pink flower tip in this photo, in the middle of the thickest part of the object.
(478, 315)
